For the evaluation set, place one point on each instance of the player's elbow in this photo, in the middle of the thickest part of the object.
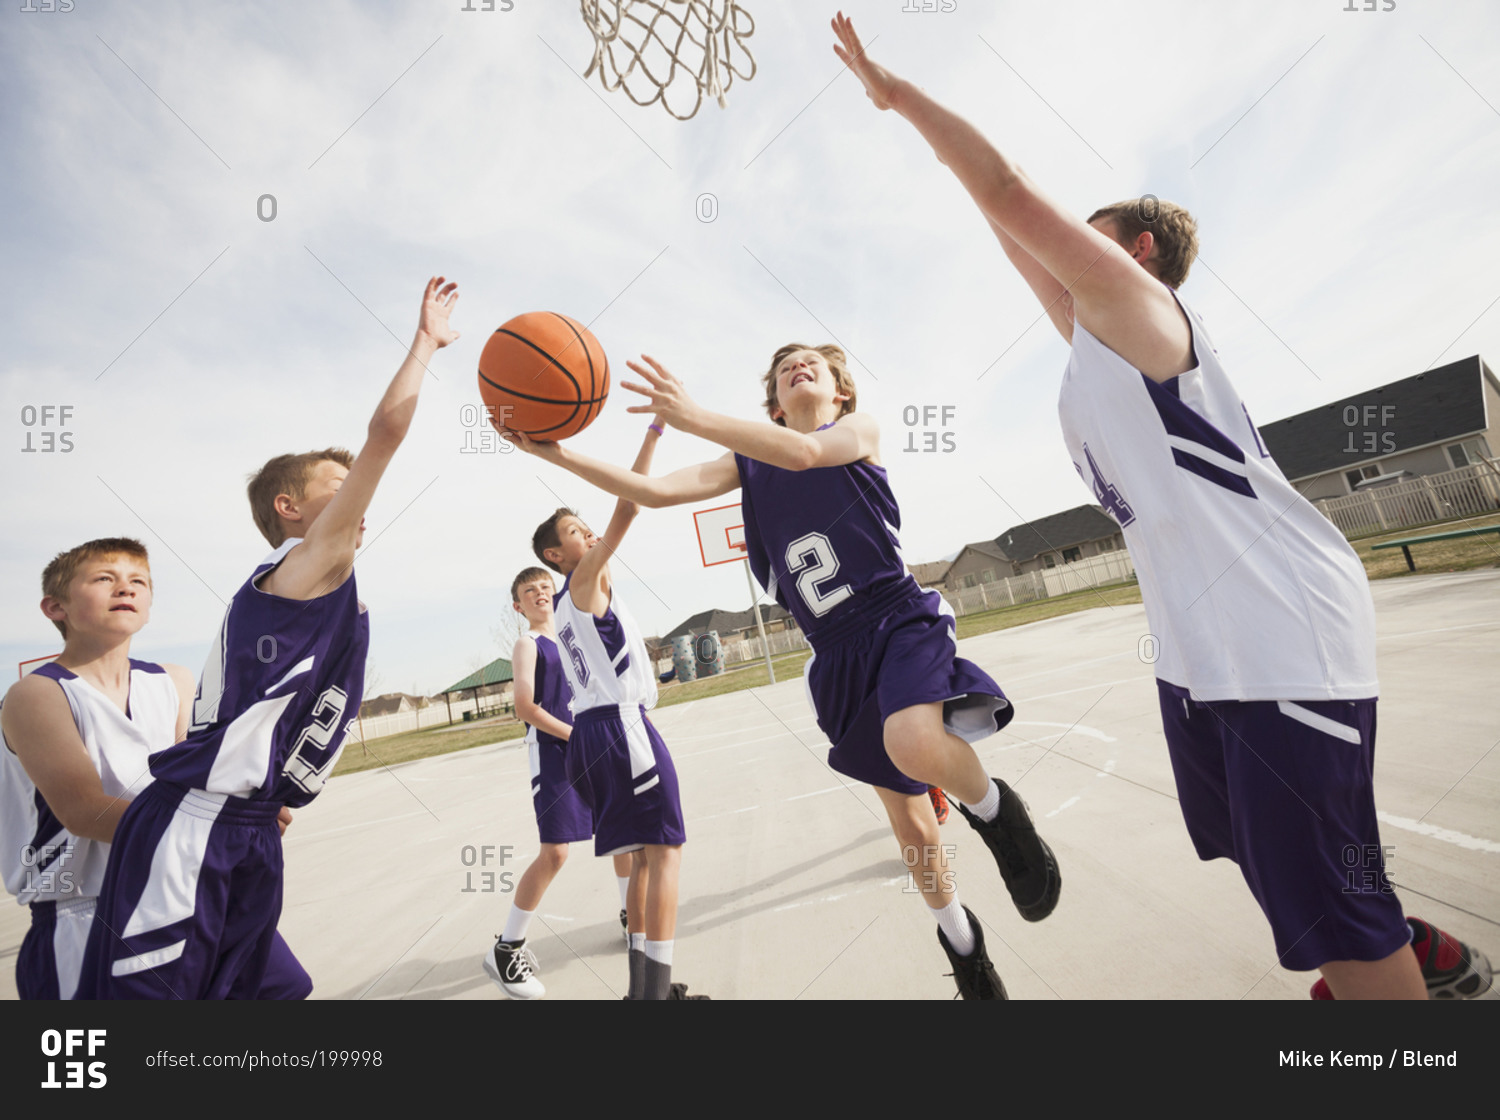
(809, 454)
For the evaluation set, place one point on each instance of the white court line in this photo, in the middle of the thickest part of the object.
(1441, 630)
(1092, 731)
(716, 816)
(1068, 804)
(1086, 688)
(816, 793)
(1452, 836)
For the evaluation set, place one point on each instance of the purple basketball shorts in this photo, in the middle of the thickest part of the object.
(1286, 790)
(894, 651)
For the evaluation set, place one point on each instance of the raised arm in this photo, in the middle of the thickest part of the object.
(1114, 298)
(39, 728)
(688, 484)
(326, 555)
(852, 438)
(523, 668)
(590, 584)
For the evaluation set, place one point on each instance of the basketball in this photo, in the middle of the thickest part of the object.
(543, 374)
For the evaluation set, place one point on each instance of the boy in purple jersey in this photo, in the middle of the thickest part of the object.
(897, 703)
(1173, 456)
(193, 889)
(79, 732)
(562, 815)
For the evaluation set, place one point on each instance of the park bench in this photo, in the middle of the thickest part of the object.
(1405, 543)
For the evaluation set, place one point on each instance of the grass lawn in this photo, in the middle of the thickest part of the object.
(1443, 556)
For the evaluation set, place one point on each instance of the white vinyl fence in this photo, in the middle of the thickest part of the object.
(1464, 492)
(1093, 571)
(373, 727)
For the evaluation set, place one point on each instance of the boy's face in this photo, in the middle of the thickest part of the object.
(328, 477)
(534, 601)
(804, 375)
(575, 539)
(109, 595)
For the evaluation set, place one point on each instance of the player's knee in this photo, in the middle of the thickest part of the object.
(913, 748)
(553, 856)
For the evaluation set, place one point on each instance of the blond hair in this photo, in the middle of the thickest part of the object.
(58, 576)
(838, 364)
(1172, 228)
(289, 475)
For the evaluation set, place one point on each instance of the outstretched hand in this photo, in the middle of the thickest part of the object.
(667, 397)
(437, 304)
(541, 448)
(879, 82)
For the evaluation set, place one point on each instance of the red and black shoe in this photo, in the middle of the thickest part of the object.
(939, 803)
(1452, 969)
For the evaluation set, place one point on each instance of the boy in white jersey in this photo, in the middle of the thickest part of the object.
(562, 815)
(78, 733)
(1263, 612)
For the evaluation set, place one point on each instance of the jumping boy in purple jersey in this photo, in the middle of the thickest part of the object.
(562, 815)
(193, 889)
(79, 734)
(897, 703)
(1279, 652)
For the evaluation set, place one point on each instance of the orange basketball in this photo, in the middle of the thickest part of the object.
(543, 374)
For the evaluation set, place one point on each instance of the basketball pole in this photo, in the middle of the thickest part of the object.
(760, 627)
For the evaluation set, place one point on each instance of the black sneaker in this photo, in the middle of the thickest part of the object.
(1026, 862)
(511, 966)
(975, 975)
(679, 991)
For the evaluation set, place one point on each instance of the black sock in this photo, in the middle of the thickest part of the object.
(658, 980)
(637, 975)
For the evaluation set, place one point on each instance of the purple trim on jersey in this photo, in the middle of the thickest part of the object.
(550, 687)
(48, 829)
(309, 654)
(146, 666)
(1180, 420)
(56, 672)
(1215, 474)
(612, 634)
(1254, 431)
(36, 962)
(1108, 494)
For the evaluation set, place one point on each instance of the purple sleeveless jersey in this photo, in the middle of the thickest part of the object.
(821, 541)
(550, 689)
(281, 685)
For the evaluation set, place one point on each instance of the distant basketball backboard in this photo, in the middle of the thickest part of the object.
(721, 534)
(36, 663)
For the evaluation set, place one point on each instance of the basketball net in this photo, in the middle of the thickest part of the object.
(667, 44)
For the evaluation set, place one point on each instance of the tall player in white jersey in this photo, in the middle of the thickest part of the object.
(1267, 667)
(79, 732)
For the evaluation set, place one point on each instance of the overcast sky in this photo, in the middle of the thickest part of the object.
(1342, 165)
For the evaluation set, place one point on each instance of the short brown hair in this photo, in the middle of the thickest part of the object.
(546, 536)
(58, 575)
(526, 576)
(838, 364)
(289, 475)
(1172, 227)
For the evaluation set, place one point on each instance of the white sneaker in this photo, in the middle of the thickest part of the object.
(511, 965)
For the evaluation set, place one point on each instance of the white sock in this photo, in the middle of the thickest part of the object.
(624, 882)
(659, 951)
(637, 942)
(955, 925)
(517, 924)
(988, 809)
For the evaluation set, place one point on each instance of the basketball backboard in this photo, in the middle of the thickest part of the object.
(721, 534)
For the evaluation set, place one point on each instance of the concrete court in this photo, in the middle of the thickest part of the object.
(791, 881)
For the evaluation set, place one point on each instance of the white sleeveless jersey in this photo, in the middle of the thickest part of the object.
(41, 860)
(605, 658)
(1250, 592)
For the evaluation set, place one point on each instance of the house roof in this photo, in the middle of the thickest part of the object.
(384, 705)
(1440, 404)
(496, 672)
(725, 622)
(1060, 530)
(986, 548)
(929, 573)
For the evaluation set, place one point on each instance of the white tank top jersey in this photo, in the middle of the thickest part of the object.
(1251, 593)
(41, 860)
(605, 658)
